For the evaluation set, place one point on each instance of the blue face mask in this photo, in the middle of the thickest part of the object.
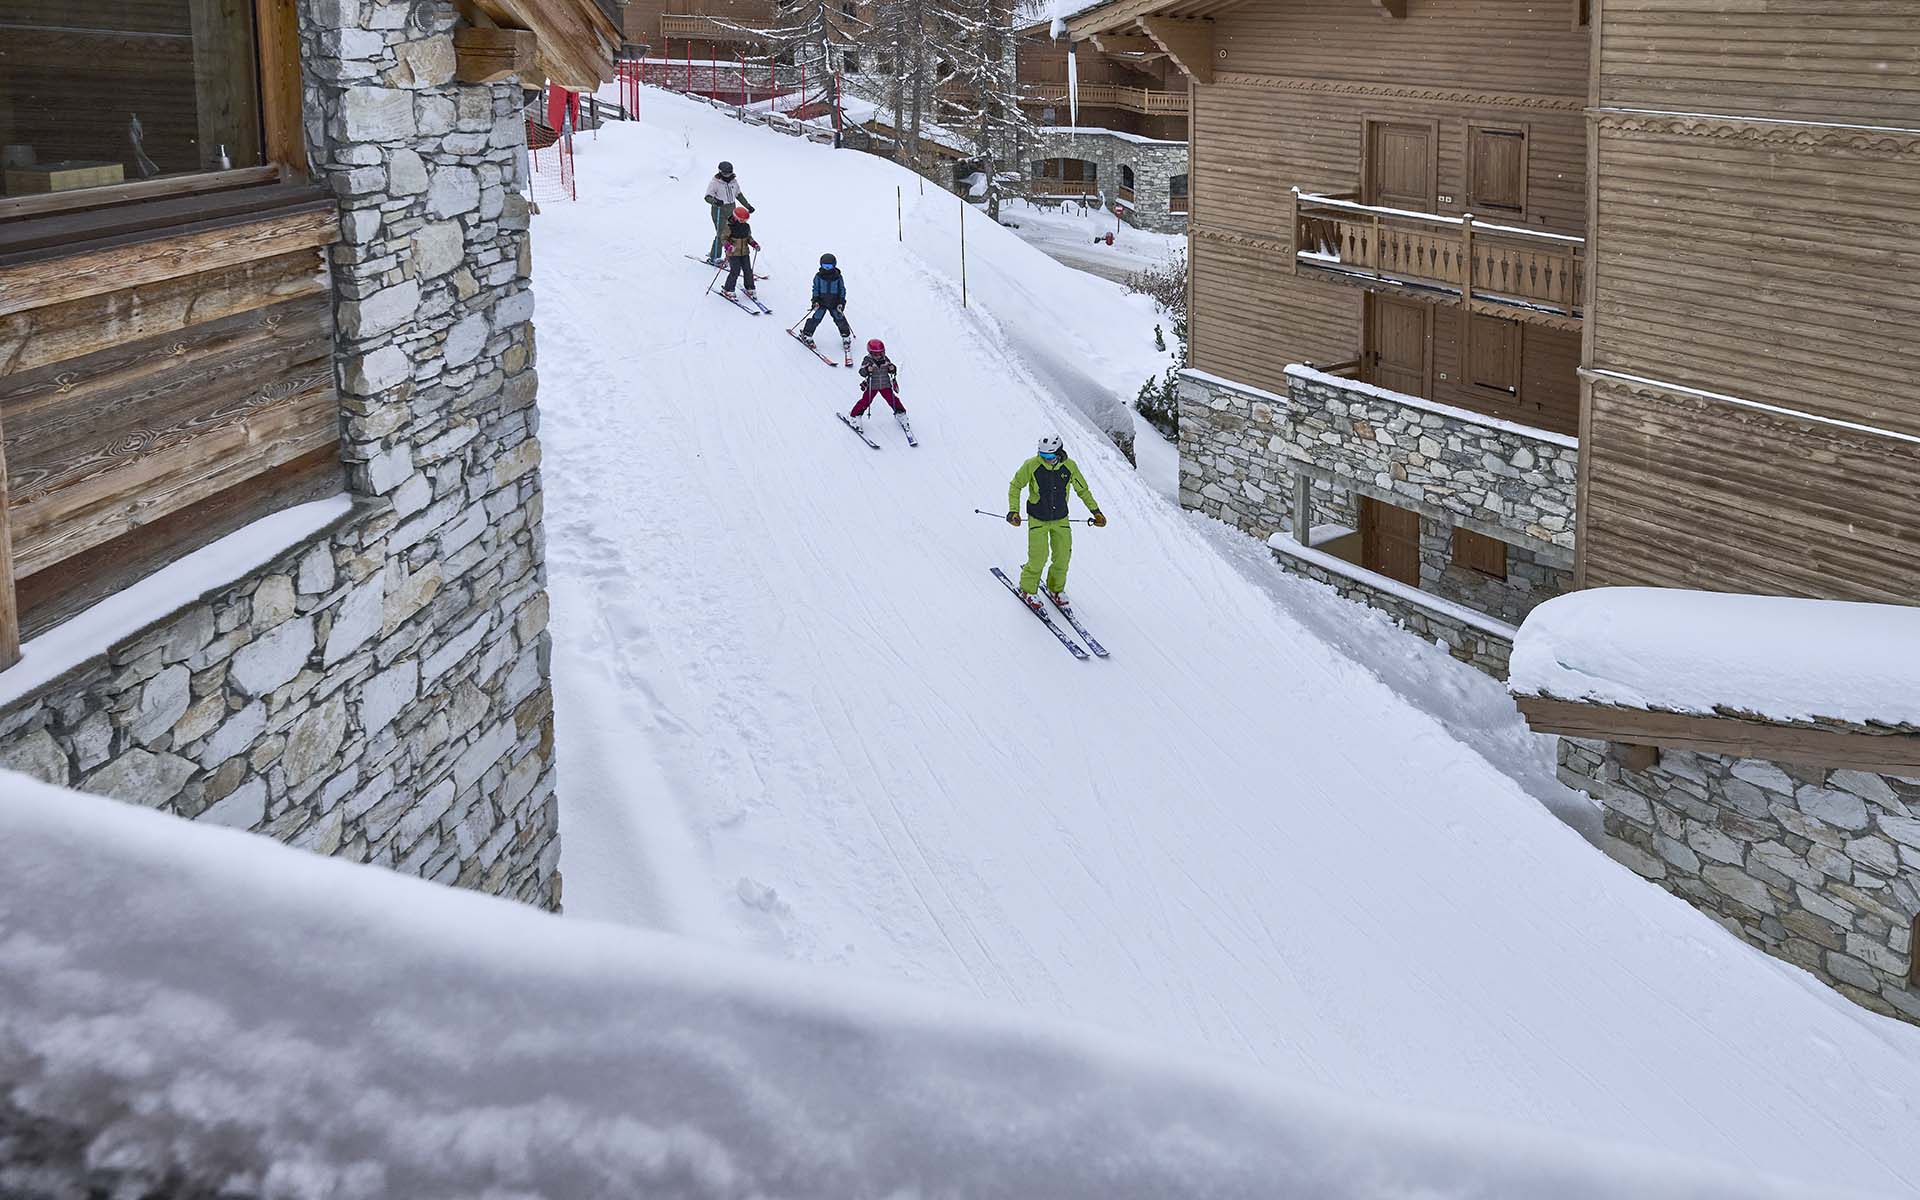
(1049, 458)
(829, 267)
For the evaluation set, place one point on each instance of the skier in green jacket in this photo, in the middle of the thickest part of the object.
(1046, 477)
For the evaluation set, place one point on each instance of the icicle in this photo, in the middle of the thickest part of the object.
(1073, 88)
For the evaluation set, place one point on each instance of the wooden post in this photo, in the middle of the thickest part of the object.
(9, 603)
(1466, 259)
(899, 227)
(963, 252)
(1293, 224)
(1373, 245)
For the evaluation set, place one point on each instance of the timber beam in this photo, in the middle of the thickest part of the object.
(1125, 43)
(491, 55)
(1188, 43)
(1396, 9)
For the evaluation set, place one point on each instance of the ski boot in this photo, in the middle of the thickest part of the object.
(728, 296)
(858, 421)
(1033, 602)
(905, 428)
(1059, 599)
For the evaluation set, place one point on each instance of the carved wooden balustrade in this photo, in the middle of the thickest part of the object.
(1523, 274)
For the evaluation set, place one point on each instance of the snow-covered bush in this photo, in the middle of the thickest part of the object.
(1157, 400)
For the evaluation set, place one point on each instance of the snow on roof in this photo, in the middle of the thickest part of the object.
(202, 1004)
(1121, 134)
(1698, 652)
(1067, 10)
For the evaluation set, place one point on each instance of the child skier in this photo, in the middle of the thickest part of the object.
(1046, 477)
(723, 196)
(829, 298)
(880, 377)
(738, 244)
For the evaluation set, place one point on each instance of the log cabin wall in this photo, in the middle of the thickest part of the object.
(1288, 108)
(1756, 238)
(374, 685)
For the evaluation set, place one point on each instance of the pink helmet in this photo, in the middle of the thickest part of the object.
(876, 346)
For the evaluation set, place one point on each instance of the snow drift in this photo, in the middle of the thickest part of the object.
(1779, 657)
(195, 1008)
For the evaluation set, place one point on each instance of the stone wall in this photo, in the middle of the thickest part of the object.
(1503, 480)
(1482, 644)
(1529, 581)
(1818, 867)
(1154, 164)
(379, 692)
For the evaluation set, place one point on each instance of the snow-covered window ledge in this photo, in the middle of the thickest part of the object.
(95, 632)
(1824, 683)
(1475, 638)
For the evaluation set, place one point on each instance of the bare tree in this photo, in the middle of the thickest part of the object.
(979, 94)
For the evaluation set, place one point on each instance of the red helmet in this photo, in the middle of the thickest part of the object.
(876, 346)
(740, 213)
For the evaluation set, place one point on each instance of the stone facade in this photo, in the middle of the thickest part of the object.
(1483, 644)
(1245, 455)
(1818, 867)
(1153, 163)
(379, 692)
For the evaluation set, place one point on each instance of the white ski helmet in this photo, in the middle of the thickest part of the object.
(1050, 444)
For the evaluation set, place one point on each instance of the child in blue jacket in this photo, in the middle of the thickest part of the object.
(829, 299)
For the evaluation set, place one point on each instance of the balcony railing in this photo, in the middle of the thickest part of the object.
(1043, 186)
(680, 26)
(1177, 204)
(1109, 95)
(1525, 274)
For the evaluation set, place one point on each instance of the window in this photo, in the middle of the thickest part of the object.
(848, 10)
(1478, 552)
(102, 92)
(1582, 13)
(1177, 185)
(1496, 171)
(852, 63)
(1126, 176)
(1492, 352)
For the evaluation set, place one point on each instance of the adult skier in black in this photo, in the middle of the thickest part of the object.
(829, 300)
(723, 196)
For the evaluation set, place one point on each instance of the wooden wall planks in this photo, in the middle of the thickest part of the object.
(1755, 242)
(1290, 102)
(156, 381)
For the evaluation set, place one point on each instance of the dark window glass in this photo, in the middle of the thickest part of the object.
(97, 92)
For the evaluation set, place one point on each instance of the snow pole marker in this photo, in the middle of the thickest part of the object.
(963, 252)
(899, 226)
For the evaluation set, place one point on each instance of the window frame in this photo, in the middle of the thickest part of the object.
(278, 92)
(1474, 204)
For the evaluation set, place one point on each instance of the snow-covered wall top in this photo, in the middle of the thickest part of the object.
(186, 1003)
(1697, 652)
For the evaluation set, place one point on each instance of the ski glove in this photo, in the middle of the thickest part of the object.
(1099, 518)
(1013, 518)
(750, 208)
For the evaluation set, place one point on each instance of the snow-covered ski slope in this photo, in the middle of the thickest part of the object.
(797, 713)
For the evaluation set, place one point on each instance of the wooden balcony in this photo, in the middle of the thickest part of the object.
(695, 27)
(1109, 95)
(1056, 188)
(1503, 270)
(1177, 204)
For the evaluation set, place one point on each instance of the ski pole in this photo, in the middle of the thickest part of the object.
(1002, 516)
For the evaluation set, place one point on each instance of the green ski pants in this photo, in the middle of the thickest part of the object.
(1042, 537)
(720, 214)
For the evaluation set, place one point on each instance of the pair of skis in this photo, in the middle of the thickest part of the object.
(865, 437)
(749, 305)
(708, 262)
(821, 354)
(1040, 610)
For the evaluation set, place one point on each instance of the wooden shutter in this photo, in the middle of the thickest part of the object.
(1478, 552)
(1496, 171)
(1390, 541)
(1493, 354)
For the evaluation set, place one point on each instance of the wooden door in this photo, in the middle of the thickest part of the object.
(1399, 166)
(1399, 345)
(1390, 541)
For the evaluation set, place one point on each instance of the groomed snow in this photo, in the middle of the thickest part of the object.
(1696, 652)
(210, 1007)
(796, 714)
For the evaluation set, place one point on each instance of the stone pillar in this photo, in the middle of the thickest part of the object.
(436, 370)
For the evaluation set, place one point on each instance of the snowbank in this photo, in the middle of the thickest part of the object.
(207, 1006)
(1698, 652)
